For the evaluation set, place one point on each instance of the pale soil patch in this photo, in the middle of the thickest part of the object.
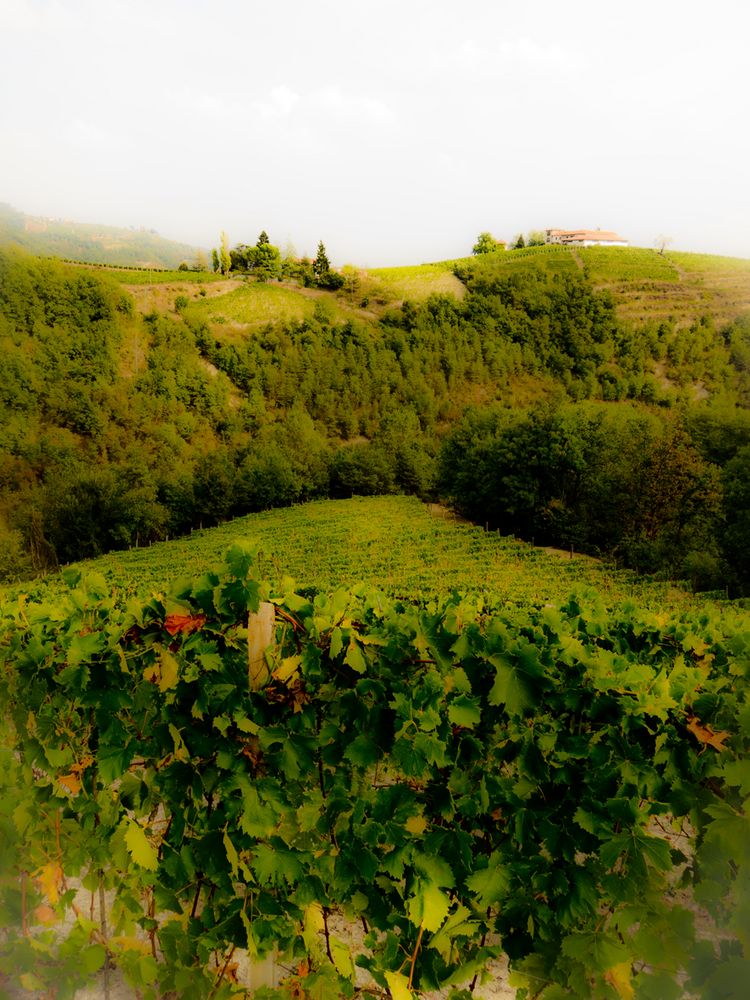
(160, 297)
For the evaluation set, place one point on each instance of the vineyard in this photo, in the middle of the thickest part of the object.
(197, 776)
(409, 550)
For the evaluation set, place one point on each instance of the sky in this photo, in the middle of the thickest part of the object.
(395, 131)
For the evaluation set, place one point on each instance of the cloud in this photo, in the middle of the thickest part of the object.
(85, 134)
(511, 56)
(280, 102)
(335, 102)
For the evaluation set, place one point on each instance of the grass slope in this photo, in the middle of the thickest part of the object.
(397, 544)
(419, 281)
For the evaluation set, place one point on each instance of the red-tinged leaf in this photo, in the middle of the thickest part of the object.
(184, 624)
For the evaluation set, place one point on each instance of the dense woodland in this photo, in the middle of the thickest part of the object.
(528, 405)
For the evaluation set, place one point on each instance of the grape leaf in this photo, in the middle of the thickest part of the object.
(140, 848)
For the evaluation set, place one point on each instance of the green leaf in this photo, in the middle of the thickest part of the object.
(736, 773)
(398, 986)
(232, 856)
(337, 643)
(457, 925)
(169, 671)
(113, 762)
(428, 907)
(598, 952)
(362, 751)
(490, 885)
(465, 712)
(92, 959)
(354, 657)
(515, 684)
(140, 847)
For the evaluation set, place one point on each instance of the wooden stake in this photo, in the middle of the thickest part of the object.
(259, 637)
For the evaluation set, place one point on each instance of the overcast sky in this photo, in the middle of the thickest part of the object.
(395, 131)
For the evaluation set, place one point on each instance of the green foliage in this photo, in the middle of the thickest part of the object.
(325, 276)
(441, 776)
(486, 243)
(603, 479)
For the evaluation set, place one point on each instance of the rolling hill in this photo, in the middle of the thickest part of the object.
(92, 243)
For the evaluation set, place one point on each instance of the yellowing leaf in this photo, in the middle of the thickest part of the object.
(287, 668)
(399, 986)
(70, 781)
(232, 856)
(165, 672)
(49, 879)
(123, 943)
(416, 825)
(619, 976)
(169, 670)
(428, 908)
(180, 750)
(140, 847)
(342, 957)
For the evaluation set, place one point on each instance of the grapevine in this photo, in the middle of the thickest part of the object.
(461, 783)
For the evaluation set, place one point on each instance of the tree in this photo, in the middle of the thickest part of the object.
(215, 263)
(519, 242)
(486, 243)
(536, 238)
(266, 258)
(225, 260)
(324, 276)
(200, 263)
(321, 264)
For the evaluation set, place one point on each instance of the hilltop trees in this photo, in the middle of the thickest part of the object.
(262, 260)
(486, 243)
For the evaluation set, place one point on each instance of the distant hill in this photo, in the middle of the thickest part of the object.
(91, 243)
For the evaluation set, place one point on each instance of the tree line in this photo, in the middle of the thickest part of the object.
(265, 262)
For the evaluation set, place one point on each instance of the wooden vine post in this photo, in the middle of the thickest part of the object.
(260, 626)
(259, 637)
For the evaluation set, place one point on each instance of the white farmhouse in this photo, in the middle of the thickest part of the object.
(585, 238)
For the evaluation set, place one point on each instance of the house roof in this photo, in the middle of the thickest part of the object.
(586, 234)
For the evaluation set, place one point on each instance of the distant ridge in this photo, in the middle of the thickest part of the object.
(92, 243)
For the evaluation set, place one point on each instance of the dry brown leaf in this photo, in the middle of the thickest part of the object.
(706, 735)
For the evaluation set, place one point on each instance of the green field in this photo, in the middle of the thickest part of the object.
(405, 548)
(255, 304)
(420, 280)
(625, 264)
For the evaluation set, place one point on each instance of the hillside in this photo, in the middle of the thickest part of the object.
(133, 409)
(645, 285)
(677, 288)
(409, 550)
(94, 243)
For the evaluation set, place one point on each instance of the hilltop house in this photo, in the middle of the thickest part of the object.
(585, 237)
